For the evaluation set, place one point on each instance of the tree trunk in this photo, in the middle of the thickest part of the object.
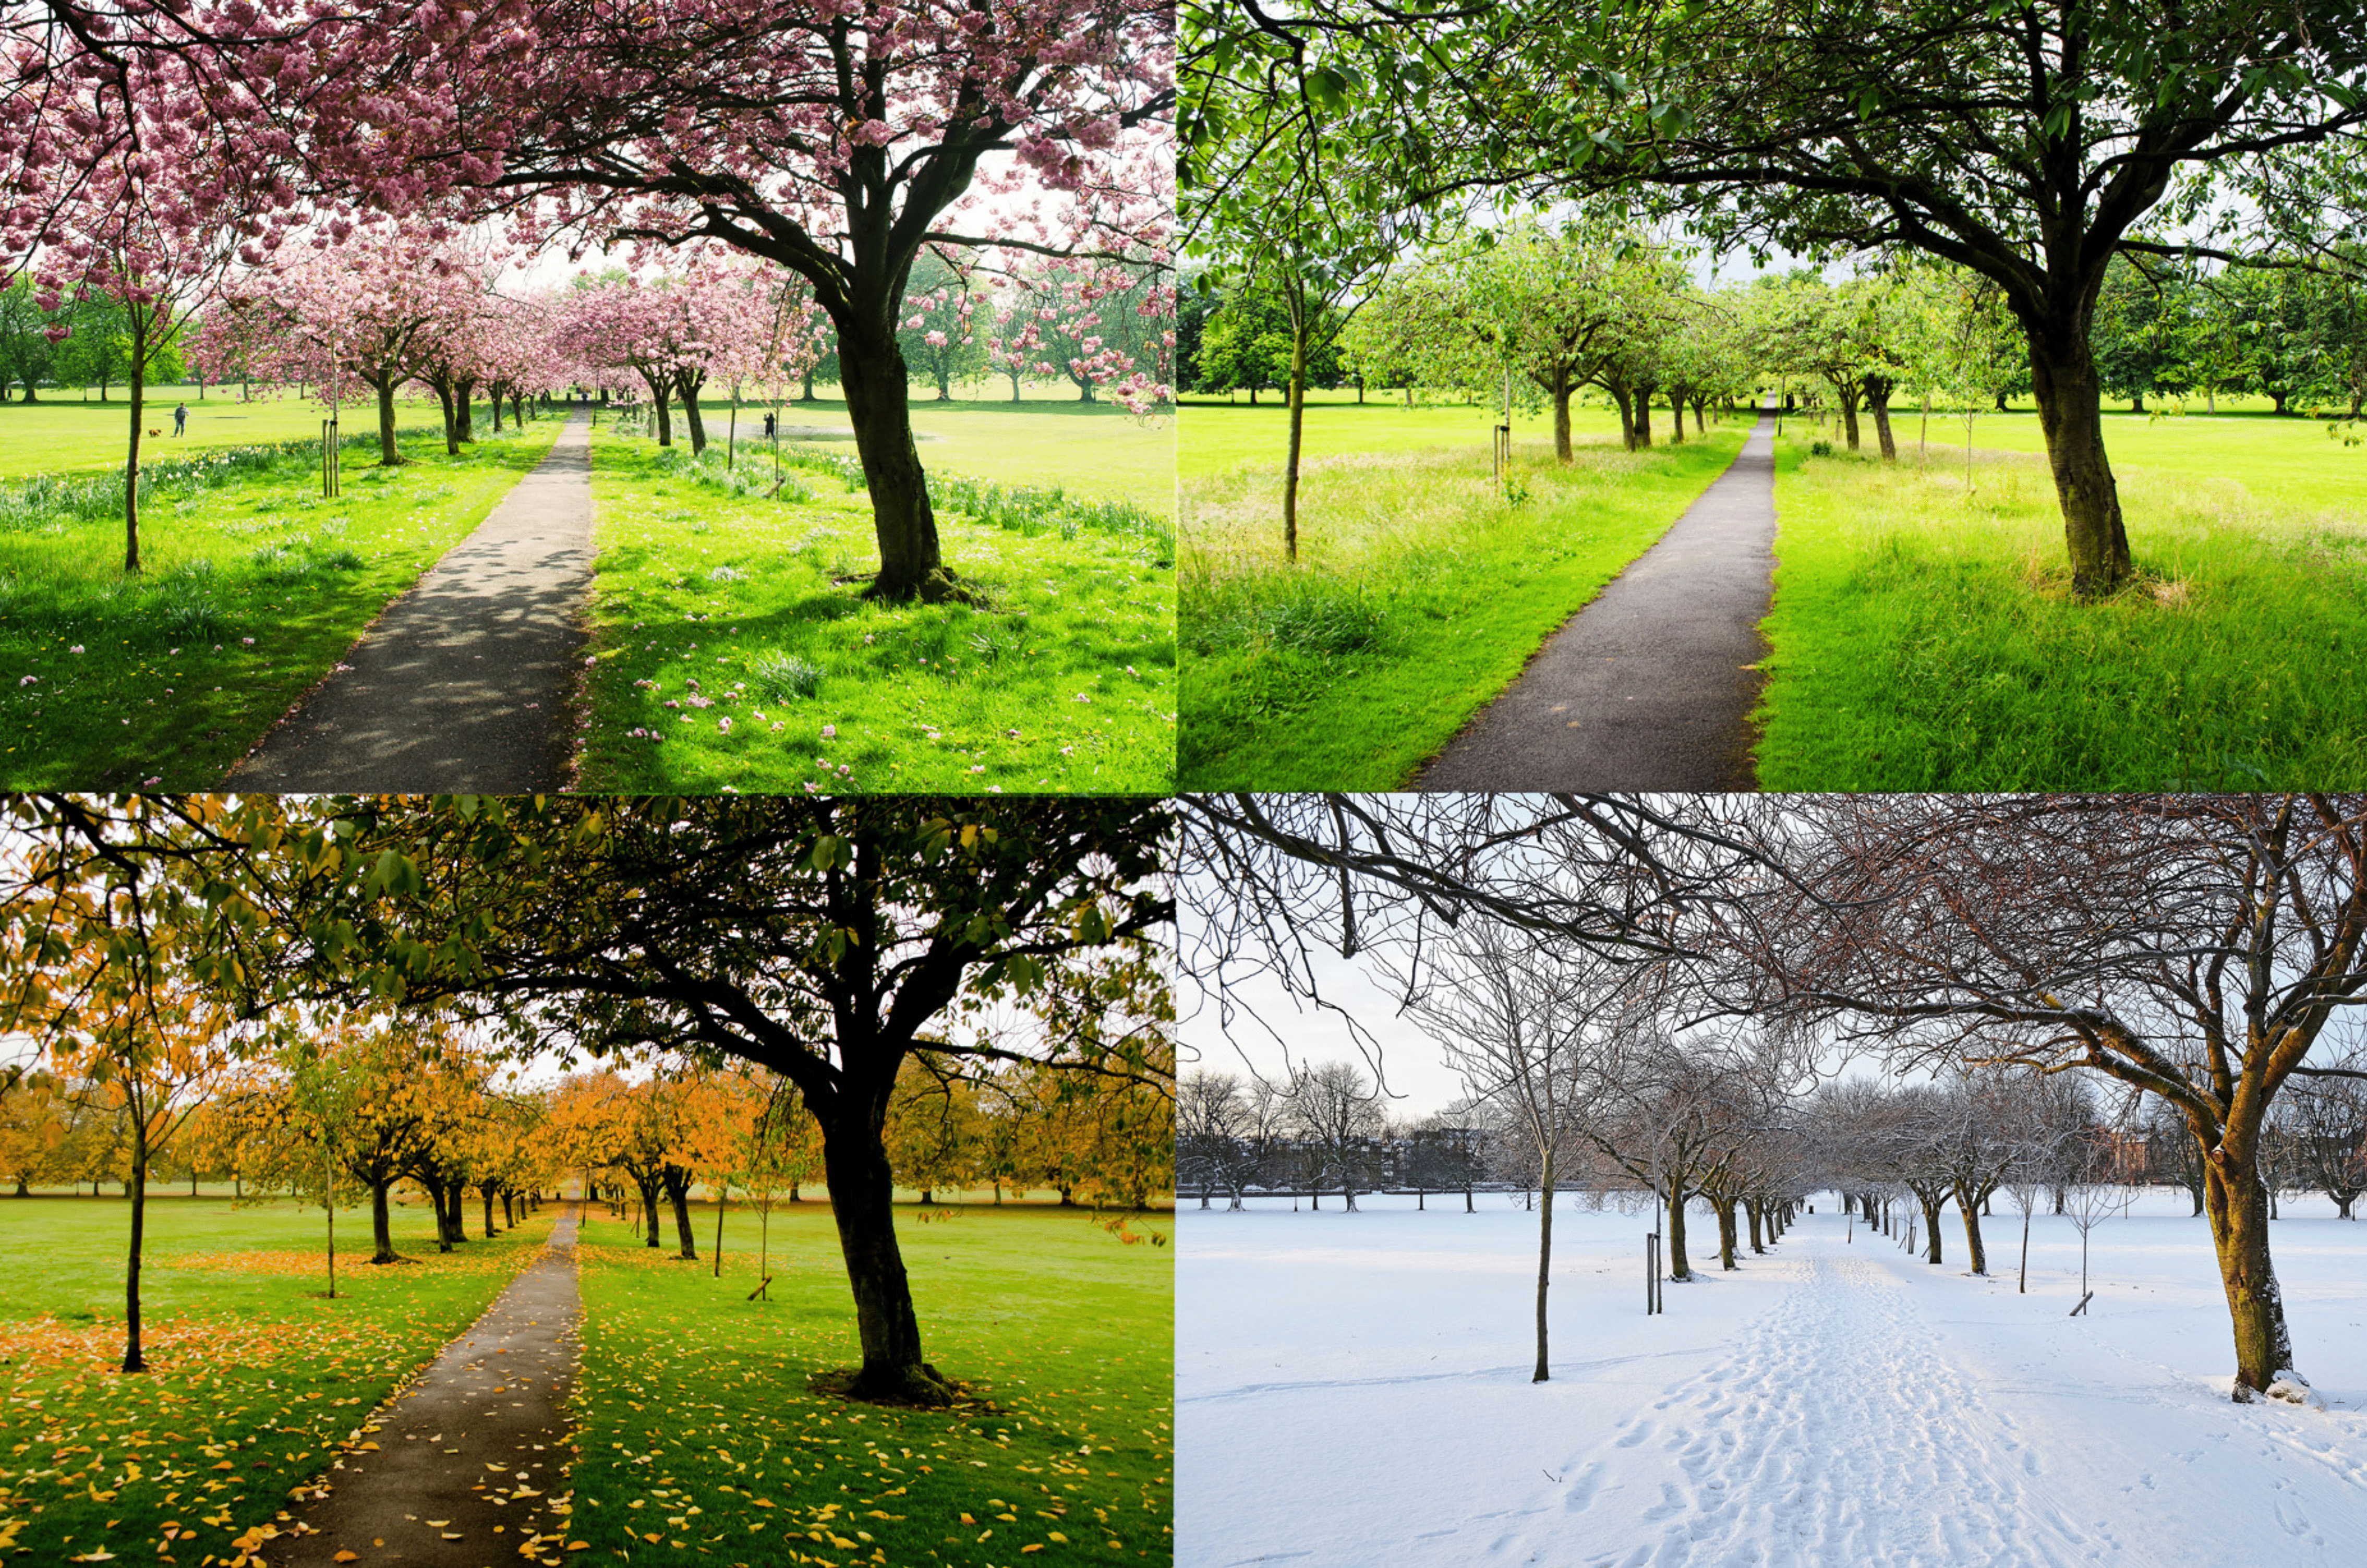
(131, 1361)
(1676, 416)
(1969, 1205)
(1931, 1226)
(139, 318)
(1679, 1268)
(1562, 389)
(877, 403)
(677, 1185)
(688, 387)
(649, 1187)
(1754, 1207)
(1726, 1234)
(1643, 416)
(381, 1225)
(1877, 402)
(2236, 1202)
(487, 1194)
(2071, 413)
(443, 385)
(464, 422)
(861, 1190)
(387, 456)
(1627, 415)
(1298, 336)
(1545, 1262)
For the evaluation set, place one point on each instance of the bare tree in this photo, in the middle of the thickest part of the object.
(2327, 1130)
(1521, 1020)
(1212, 1116)
(1336, 1113)
(2207, 950)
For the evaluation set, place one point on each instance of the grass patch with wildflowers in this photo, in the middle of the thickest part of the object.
(731, 647)
(252, 587)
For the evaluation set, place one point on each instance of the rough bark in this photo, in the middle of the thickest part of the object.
(877, 392)
(2071, 414)
(1969, 1205)
(2236, 1202)
(1298, 336)
(677, 1187)
(688, 387)
(381, 1225)
(139, 1188)
(1877, 402)
(861, 1190)
(1726, 1234)
(1678, 1267)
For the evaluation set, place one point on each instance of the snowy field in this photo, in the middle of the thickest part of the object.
(1354, 1389)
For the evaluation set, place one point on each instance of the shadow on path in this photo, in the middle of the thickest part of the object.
(1650, 686)
(470, 1452)
(462, 683)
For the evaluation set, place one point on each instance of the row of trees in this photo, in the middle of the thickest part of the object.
(151, 153)
(2199, 957)
(2297, 337)
(2031, 149)
(371, 964)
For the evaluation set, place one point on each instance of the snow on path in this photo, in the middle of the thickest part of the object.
(1824, 1436)
(1354, 1390)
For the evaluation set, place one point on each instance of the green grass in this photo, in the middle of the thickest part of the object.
(1924, 637)
(713, 603)
(699, 1428)
(62, 433)
(1419, 594)
(252, 587)
(257, 1378)
(1214, 438)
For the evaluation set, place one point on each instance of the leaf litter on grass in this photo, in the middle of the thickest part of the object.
(238, 1411)
(700, 1431)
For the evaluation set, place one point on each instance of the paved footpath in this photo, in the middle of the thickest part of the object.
(462, 684)
(1650, 687)
(469, 1454)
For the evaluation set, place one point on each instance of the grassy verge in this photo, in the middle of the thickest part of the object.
(701, 1439)
(1419, 595)
(255, 1381)
(252, 587)
(1924, 637)
(732, 651)
(73, 434)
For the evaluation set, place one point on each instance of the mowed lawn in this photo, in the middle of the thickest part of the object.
(257, 1378)
(1924, 636)
(702, 1440)
(733, 646)
(252, 586)
(1422, 584)
(65, 433)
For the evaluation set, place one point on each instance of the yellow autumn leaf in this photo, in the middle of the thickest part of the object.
(347, 1557)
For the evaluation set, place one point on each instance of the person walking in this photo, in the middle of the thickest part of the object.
(180, 418)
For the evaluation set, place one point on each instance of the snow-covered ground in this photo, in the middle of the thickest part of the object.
(1354, 1389)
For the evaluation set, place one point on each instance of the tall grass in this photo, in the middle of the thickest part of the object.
(1025, 509)
(1424, 585)
(1925, 637)
(45, 499)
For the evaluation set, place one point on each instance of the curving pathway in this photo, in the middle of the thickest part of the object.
(470, 1454)
(462, 684)
(1650, 686)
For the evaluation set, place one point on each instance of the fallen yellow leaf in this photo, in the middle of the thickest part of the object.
(347, 1557)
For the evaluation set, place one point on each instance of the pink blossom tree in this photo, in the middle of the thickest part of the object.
(134, 234)
(834, 140)
(674, 334)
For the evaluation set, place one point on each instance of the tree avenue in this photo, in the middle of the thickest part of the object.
(2201, 960)
(2028, 144)
(828, 942)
